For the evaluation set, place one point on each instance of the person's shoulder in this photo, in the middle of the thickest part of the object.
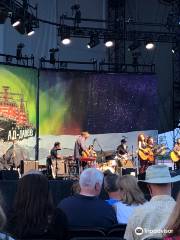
(66, 200)
(4, 236)
(103, 204)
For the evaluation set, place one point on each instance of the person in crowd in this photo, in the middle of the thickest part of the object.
(75, 188)
(149, 219)
(173, 224)
(130, 195)
(79, 148)
(3, 236)
(86, 209)
(112, 189)
(33, 214)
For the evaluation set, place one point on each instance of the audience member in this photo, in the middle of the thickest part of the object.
(112, 189)
(149, 219)
(131, 196)
(3, 236)
(33, 214)
(75, 188)
(173, 224)
(86, 209)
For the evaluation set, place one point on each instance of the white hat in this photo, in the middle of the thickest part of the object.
(159, 174)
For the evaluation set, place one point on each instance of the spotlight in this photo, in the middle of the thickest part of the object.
(136, 44)
(29, 30)
(94, 41)
(65, 40)
(21, 28)
(15, 21)
(149, 45)
(108, 43)
(65, 36)
(173, 50)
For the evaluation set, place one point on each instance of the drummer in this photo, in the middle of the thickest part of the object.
(80, 148)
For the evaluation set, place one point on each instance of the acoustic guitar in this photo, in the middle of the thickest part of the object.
(146, 154)
(175, 156)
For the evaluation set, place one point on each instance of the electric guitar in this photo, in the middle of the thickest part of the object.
(175, 156)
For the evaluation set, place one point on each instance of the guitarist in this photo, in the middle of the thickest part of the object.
(176, 149)
(122, 152)
(79, 148)
(142, 145)
(150, 148)
(122, 148)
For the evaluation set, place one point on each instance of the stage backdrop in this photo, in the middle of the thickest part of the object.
(100, 103)
(18, 91)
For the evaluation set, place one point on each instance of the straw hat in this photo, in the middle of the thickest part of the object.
(159, 174)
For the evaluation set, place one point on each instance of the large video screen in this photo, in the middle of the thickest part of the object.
(18, 91)
(100, 103)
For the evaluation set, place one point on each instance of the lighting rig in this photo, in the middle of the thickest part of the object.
(22, 14)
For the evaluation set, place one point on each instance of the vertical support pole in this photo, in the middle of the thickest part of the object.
(37, 120)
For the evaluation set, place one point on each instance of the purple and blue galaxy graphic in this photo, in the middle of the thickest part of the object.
(99, 103)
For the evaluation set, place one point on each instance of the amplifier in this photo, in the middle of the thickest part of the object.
(131, 171)
(30, 165)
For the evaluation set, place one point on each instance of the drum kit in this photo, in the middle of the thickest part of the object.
(115, 163)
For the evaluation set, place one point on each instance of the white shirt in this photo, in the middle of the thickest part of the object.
(124, 211)
(5, 237)
(151, 217)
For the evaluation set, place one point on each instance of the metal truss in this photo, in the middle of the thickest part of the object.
(24, 61)
(94, 66)
(23, 9)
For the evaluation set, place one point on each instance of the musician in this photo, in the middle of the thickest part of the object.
(79, 148)
(150, 142)
(142, 145)
(54, 156)
(122, 148)
(176, 149)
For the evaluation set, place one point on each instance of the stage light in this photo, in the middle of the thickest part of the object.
(15, 21)
(149, 45)
(29, 30)
(133, 46)
(65, 36)
(173, 50)
(65, 40)
(94, 41)
(108, 43)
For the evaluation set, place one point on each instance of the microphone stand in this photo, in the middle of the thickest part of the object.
(101, 151)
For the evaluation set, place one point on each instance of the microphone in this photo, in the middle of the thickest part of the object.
(94, 140)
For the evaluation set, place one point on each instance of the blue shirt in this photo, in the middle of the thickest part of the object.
(87, 211)
(112, 201)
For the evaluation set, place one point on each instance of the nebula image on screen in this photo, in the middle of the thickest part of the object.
(100, 103)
